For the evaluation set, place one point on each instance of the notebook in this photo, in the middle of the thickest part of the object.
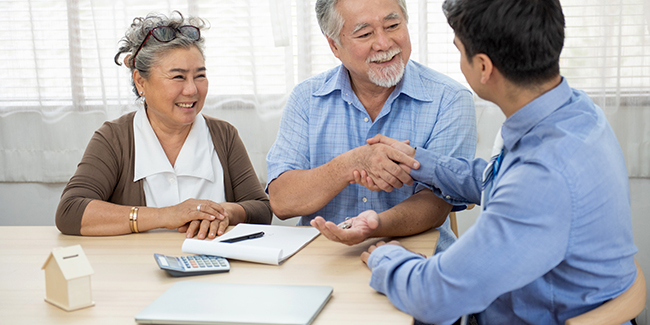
(188, 302)
(276, 245)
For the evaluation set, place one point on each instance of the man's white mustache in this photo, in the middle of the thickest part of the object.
(384, 56)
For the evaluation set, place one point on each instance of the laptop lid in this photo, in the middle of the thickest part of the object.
(189, 302)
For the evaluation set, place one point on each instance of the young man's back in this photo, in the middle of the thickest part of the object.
(554, 238)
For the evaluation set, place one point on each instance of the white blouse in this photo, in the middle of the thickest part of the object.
(197, 174)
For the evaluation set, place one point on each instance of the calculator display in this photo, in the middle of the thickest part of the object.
(173, 262)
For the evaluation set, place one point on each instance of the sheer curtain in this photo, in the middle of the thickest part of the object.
(59, 82)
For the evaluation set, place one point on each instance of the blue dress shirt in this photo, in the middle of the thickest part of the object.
(323, 118)
(555, 238)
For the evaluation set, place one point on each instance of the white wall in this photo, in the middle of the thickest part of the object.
(28, 204)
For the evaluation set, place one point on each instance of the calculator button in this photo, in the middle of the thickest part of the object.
(185, 262)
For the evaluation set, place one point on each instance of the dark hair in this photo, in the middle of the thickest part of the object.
(523, 38)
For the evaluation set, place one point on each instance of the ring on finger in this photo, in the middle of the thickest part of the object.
(198, 207)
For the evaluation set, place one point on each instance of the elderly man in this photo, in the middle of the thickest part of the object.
(329, 117)
(554, 238)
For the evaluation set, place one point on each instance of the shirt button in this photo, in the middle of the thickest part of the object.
(365, 119)
(349, 103)
(448, 197)
(364, 200)
(171, 180)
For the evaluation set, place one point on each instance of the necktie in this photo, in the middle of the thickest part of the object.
(490, 172)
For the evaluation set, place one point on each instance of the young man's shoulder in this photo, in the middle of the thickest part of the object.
(567, 135)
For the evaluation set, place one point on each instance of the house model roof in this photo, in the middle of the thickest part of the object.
(71, 260)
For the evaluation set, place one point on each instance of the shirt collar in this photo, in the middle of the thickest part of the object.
(337, 80)
(194, 159)
(522, 121)
(410, 85)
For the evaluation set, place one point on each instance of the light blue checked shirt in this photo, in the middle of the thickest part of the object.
(554, 240)
(323, 118)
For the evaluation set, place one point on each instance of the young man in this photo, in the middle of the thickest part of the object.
(328, 118)
(554, 238)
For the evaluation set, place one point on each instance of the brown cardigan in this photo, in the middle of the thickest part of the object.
(107, 168)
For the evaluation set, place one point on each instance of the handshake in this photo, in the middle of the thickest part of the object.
(383, 164)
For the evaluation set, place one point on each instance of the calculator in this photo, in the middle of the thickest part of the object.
(192, 264)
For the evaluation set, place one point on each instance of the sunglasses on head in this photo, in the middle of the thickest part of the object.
(165, 34)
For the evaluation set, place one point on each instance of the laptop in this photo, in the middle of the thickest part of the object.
(188, 302)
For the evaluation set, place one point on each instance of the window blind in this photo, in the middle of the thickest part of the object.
(61, 51)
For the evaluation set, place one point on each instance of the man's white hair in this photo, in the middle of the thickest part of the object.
(331, 21)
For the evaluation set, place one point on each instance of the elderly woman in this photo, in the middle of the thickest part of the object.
(166, 165)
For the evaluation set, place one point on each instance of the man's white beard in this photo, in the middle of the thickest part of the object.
(388, 76)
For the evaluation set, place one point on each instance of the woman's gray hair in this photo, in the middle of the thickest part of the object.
(151, 51)
(331, 21)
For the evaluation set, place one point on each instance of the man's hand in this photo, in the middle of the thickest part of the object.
(371, 182)
(403, 146)
(362, 178)
(366, 255)
(360, 228)
(383, 163)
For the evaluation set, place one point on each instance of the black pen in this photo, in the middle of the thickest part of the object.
(244, 237)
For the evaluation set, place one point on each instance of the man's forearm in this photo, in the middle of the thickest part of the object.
(418, 213)
(302, 192)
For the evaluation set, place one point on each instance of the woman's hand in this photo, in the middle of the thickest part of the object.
(226, 214)
(189, 210)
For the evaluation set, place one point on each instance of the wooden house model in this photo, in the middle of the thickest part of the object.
(67, 278)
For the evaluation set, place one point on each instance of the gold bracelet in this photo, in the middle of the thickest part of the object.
(131, 219)
(135, 219)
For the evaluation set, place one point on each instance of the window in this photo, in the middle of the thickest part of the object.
(58, 55)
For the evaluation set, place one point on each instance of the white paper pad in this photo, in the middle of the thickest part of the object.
(277, 244)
